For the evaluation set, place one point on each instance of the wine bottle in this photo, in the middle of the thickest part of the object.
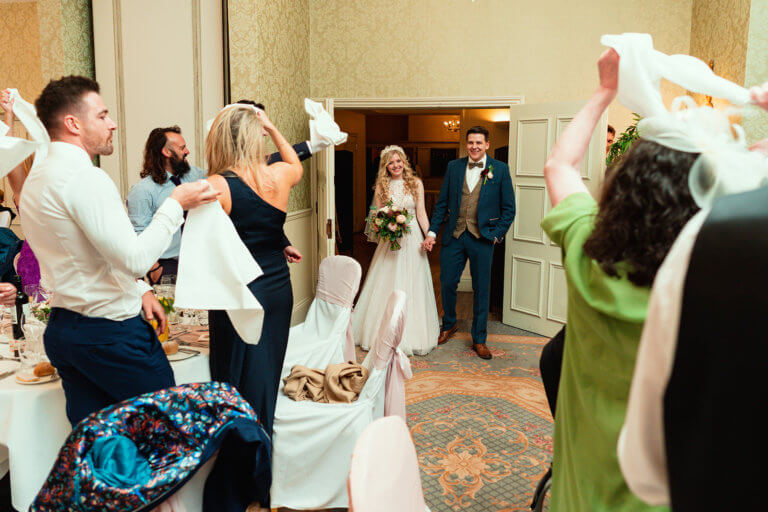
(20, 309)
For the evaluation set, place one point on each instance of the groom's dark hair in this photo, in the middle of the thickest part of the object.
(479, 129)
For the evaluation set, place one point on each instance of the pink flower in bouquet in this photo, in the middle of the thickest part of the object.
(376, 228)
(385, 210)
(392, 226)
(379, 222)
(400, 219)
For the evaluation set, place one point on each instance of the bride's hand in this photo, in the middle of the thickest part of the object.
(428, 243)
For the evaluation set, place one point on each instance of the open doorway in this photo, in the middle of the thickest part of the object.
(431, 137)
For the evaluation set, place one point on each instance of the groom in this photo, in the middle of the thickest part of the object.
(477, 195)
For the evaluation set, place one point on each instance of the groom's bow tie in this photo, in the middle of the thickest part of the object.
(472, 165)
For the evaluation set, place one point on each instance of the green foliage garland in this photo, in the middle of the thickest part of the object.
(623, 141)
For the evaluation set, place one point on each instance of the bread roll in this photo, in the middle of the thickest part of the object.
(170, 347)
(44, 369)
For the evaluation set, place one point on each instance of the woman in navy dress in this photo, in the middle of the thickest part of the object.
(255, 196)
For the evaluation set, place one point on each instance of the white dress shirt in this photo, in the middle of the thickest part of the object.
(641, 450)
(75, 223)
(472, 177)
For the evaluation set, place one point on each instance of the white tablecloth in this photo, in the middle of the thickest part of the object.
(34, 426)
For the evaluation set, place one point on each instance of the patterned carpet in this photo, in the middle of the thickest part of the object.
(482, 429)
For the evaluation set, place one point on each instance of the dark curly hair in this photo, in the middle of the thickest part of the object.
(61, 95)
(644, 204)
(154, 160)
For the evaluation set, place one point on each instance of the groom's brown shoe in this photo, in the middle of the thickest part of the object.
(446, 335)
(482, 351)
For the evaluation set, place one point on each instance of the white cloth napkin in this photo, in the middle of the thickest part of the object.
(641, 69)
(215, 268)
(14, 150)
(323, 130)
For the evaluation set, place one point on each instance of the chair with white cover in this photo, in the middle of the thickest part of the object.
(325, 336)
(312, 442)
(384, 474)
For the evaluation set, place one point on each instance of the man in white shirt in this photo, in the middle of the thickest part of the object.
(75, 222)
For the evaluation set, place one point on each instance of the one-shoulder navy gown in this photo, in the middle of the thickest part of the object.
(255, 369)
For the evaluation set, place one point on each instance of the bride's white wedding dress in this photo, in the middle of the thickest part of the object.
(406, 270)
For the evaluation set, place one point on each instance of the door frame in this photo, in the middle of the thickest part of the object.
(396, 103)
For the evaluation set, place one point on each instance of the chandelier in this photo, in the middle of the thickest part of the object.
(452, 125)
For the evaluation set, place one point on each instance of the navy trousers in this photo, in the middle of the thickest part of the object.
(453, 258)
(102, 362)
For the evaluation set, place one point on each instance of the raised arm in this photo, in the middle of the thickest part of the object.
(95, 205)
(561, 169)
(421, 210)
(290, 160)
(17, 175)
(302, 149)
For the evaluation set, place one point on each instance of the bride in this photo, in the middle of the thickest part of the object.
(406, 269)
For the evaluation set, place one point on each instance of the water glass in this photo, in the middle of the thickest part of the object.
(31, 350)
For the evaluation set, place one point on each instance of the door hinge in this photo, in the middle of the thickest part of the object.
(329, 228)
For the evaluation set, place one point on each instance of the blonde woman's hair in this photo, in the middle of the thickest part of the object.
(235, 141)
(410, 180)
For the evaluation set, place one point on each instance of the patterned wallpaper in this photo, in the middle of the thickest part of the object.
(269, 63)
(755, 121)
(51, 62)
(77, 40)
(546, 51)
(719, 30)
(56, 40)
(20, 55)
(396, 48)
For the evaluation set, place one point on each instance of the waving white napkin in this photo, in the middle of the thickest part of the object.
(13, 150)
(725, 165)
(215, 268)
(323, 130)
(641, 69)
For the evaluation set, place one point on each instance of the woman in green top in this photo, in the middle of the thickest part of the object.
(611, 252)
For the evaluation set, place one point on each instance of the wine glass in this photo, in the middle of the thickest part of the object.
(34, 292)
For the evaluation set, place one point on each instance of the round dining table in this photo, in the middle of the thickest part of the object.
(34, 425)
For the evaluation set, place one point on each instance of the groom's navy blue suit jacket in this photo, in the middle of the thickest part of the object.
(496, 206)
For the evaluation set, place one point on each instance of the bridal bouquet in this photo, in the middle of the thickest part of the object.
(389, 223)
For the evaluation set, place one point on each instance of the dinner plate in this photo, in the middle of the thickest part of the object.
(182, 354)
(42, 380)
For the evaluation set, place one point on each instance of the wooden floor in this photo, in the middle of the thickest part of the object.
(362, 251)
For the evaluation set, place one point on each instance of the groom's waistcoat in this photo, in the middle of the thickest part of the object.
(467, 220)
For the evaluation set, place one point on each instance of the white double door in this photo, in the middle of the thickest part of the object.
(535, 289)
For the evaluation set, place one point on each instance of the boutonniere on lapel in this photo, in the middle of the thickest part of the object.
(487, 173)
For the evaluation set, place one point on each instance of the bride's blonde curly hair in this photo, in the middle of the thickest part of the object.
(410, 180)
